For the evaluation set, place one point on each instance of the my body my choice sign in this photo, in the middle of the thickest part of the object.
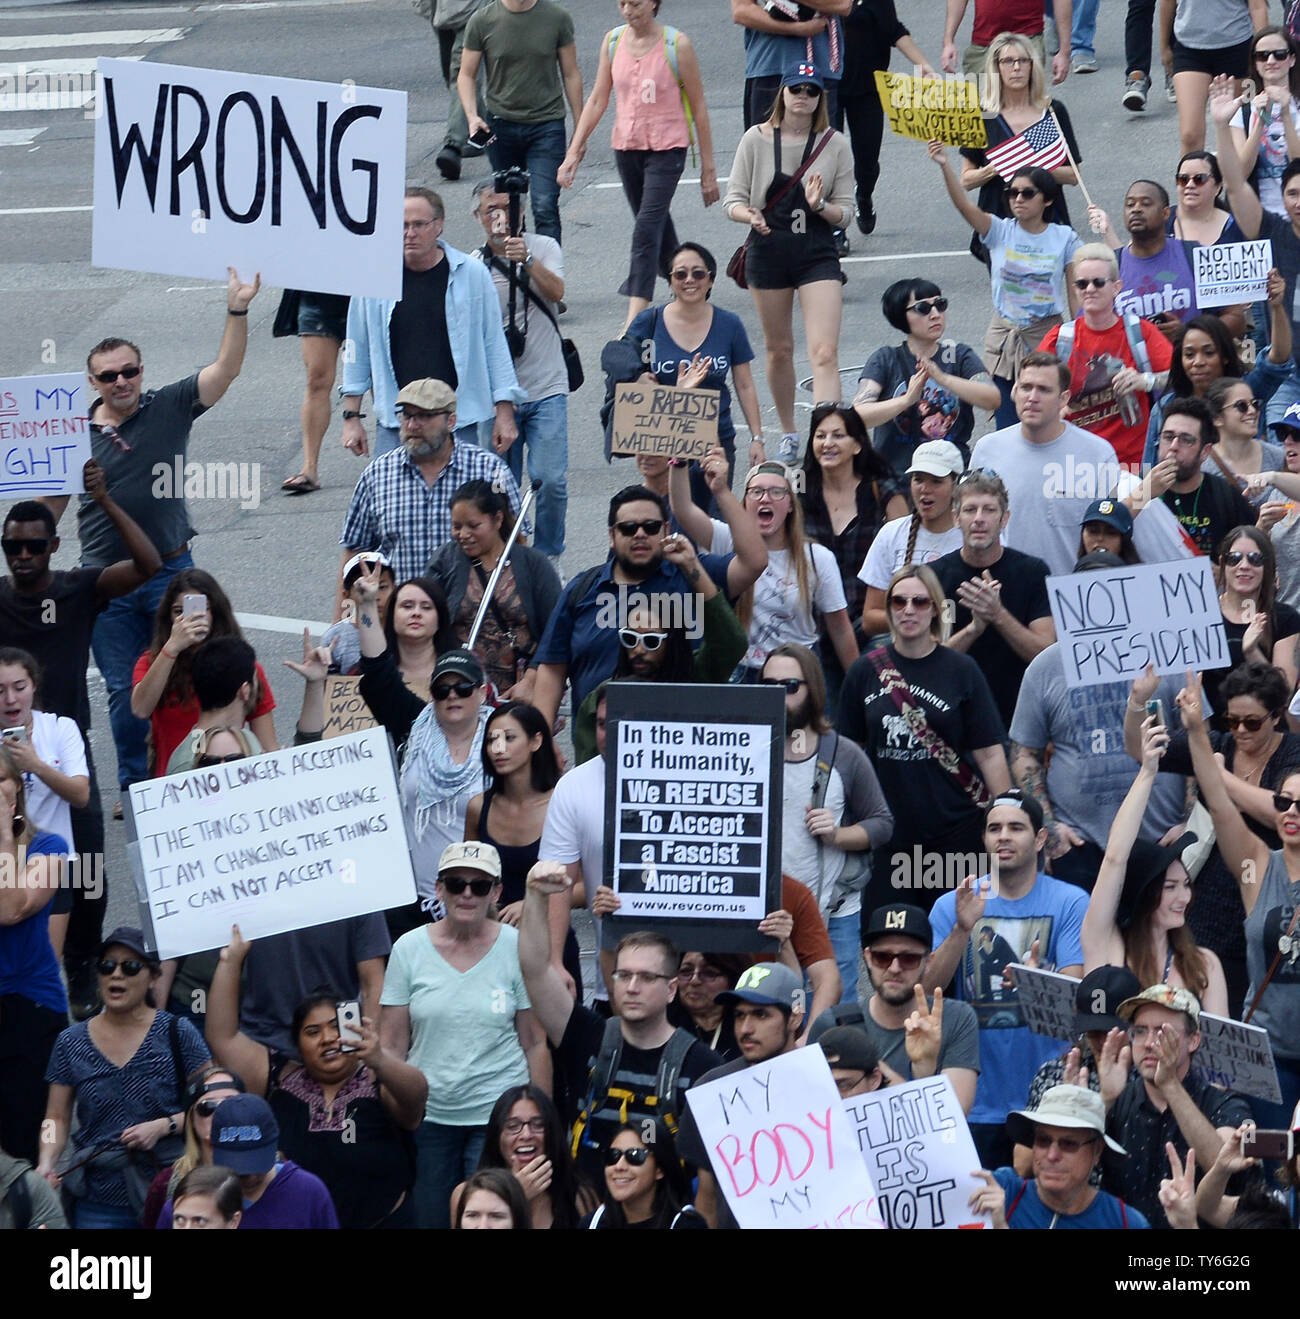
(1114, 622)
(276, 842)
(200, 169)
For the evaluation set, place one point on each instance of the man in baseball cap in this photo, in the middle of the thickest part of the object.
(854, 1060)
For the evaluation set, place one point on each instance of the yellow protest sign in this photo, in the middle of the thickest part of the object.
(924, 108)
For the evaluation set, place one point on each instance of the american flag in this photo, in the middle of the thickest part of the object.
(1040, 145)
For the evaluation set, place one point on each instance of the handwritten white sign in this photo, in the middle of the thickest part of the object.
(781, 1146)
(44, 435)
(200, 169)
(1046, 1001)
(1229, 273)
(276, 842)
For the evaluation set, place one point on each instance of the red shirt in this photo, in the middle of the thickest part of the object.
(1095, 357)
(173, 719)
(995, 16)
(810, 938)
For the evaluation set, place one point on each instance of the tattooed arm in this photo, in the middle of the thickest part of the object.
(1031, 778)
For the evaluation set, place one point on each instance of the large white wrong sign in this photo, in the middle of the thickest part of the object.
(200, 169)
(781, 1147)
(44, 435)
(919, 1153)
(276, 842)
(1111, 624)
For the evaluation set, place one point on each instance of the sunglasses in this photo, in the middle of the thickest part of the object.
(1266, 55)
(630, 639)
(1096, 282)
(1255, 558)
(1245, 405)
(791, 685)
(924, 308)
(635, 1157)
(14, 546)
(1282, 804)
(206, 1107)
(1066, 1144)
(900, 602)
(651, 527)
(698, 272)
(1184, 179)
(1022, 194)
(131, 967)
(805, 89)
(203, 762)
(462, 689)
(1252, 723)
(455, 885)
(110, 377)
(882, 961)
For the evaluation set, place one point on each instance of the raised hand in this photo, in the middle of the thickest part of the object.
(924, 1033)
(1177, 1192)
(238, 294)
(316, 660)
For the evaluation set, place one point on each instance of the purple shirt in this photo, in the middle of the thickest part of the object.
(295, 1198)
(1165, 282)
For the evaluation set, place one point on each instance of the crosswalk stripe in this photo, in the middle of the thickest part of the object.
(10, 69)
(44, 85)
(123, 37)
(20, 137)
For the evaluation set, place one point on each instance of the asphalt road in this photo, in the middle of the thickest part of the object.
(277, 558)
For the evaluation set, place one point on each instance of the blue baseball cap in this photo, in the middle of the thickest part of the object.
(1290, 421)
(803, 72)
(245, 1135)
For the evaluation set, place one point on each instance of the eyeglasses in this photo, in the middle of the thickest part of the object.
(689, 973)
(698, 272)
(635, 1157)
(629, 638)
(1245, 405)
(419, 414)
(882, 961)
(131, 967)
(975, 472)
(846, 1083)
(1273, 54)
(1066, 1144)
(14, 546)
(1282, 804)
(419, 224)
(1183, 180)
(1254, 557)
(773, 494)
(461, 689)
(646, 977)
(1096, 282)
(1252, 723)
(918, 602)
(651, 527)
(924, 308)
(514, 1125)
(791, 685)
(804, 89)
(1179, 437)
(1013, 61)
(1025, 194)
(110, 377)
(456, 885)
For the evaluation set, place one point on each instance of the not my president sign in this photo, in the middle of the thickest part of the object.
(693, 791)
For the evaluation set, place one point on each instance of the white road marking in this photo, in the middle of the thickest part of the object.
(43, 210)
(904, 256)
(19, 137)
(124, 37)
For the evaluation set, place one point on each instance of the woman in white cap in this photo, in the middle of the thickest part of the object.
(926, 534)
(454, 1006)
(342, 637)
(1066, 1133)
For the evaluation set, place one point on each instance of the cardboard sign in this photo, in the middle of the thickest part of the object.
(1231, 273)
(200, 169)
(662, 419)
(781, 1146)
(44, 435)
(276, 842)
(345, 711)
(924, 108)
(1112, 623)
(1238, 1057)
(693, 801)
(1046, 1001)
(919, 1153)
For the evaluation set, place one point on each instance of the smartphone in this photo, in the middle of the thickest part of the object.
(14, 734)
(348, 1014)
(484, 137)
(1155, 706)
(193, 604)
(1258, 1144)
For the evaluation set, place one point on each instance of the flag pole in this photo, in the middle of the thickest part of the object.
(1069, 155)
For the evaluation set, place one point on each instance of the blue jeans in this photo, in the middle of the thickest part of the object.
(120, 637)
(444, 1157)
(538, 148)
(1083, 27)
(844, 931)
(544, 428)
(89, 1215)
(387, 438)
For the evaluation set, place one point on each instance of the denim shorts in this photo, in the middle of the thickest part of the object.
(323, 314)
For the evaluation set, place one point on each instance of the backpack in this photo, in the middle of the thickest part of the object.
(857, 865)
(605, 1066)
(671, 36)
(1137, 345)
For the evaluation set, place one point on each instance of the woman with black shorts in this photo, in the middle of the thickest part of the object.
(1203, 39)
(322, 327)
(792, 244)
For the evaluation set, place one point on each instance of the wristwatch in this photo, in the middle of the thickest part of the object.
(821, 206)
(528, 261)
(349, 415)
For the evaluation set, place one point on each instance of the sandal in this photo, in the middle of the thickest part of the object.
(302, 484)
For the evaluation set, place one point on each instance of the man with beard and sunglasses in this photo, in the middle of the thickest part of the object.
(581, 642)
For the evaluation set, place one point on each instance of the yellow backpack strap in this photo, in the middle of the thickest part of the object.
(671, 34)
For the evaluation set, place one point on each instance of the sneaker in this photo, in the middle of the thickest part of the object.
(448, 162)
(1135, 91)
(866, 218)
(787, 450)
(841, 243)
(1083, 64)
(1170, 95)
(1051, 42)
